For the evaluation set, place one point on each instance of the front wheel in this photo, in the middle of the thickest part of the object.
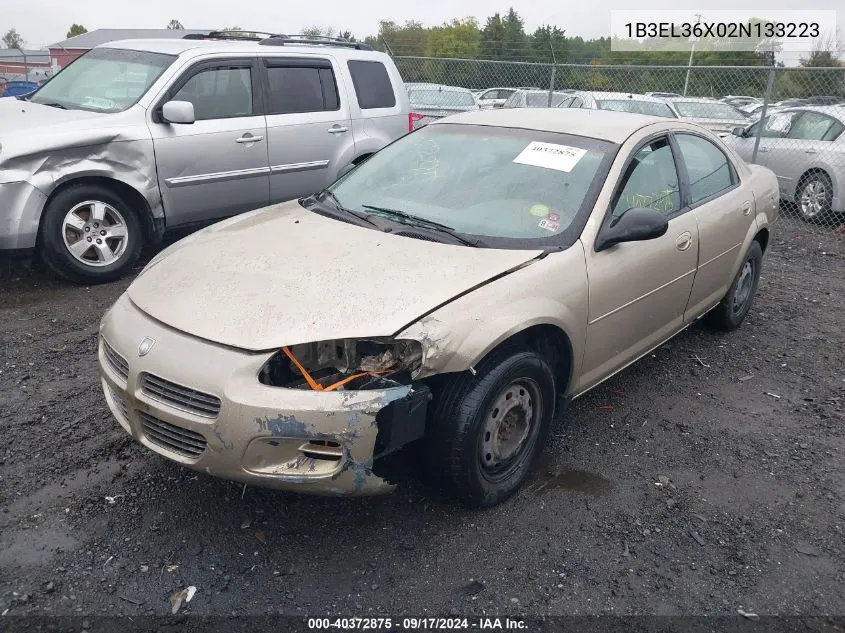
(487, 429)
(89, 234)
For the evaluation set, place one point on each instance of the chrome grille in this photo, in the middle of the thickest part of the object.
(119, 402)
(172, 437)
(117, 363)
(180, 397)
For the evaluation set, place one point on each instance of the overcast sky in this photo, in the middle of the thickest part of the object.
(43, 22)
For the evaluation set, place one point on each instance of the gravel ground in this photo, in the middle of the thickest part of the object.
(706, 479)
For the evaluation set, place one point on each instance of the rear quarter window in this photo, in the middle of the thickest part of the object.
(373, 88)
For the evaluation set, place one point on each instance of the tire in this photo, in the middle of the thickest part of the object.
(814, 198)
(480, 461)
(71, 219)
(732, 310)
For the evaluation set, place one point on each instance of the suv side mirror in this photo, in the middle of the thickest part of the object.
(635, 225)
(178, 112)
(738, 131)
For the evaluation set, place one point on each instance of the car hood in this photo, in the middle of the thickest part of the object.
(19, 116)
(33, 131)
(285, 275)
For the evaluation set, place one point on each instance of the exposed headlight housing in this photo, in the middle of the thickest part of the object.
(344, 364)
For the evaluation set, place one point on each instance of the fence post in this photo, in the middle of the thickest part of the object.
(766, 99)
(552, 85)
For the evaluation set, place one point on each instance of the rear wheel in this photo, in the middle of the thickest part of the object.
(89, 234)
(734, 307)
(488, 428)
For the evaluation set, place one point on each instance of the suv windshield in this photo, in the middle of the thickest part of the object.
(705, 110)
(497, 184)
(639, 107)
(444, 98)
(104, 80)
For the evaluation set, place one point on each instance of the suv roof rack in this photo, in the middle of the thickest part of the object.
(251, 36)
(324, 40)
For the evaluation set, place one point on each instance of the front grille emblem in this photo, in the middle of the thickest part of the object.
(145, 346)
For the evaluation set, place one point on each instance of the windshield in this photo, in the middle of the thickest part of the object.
(705, 110)
(498, 184)
(639, 107)
(541, 99)
(104, 80)
(441, 98)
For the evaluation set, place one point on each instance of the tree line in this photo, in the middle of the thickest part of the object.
(466, 52)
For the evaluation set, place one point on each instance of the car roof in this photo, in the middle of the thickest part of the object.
(837, 111)
(622, 95)
(237, 47)
(441, 87)
(600, 124)
(695, 99)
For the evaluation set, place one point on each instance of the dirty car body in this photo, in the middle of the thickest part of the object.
(455, 288)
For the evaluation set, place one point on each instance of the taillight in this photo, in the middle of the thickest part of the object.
(412, 118)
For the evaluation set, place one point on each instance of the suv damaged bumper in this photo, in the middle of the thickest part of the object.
(173, 400)
(20, 212)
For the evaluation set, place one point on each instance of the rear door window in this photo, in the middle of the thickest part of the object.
(297, 87)
(373, 88)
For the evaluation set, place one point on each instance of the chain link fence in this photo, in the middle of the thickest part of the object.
(801, 137)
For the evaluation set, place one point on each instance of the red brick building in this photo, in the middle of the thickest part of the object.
(64, 52)
(18, 65)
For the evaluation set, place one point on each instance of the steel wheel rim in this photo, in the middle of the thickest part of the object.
(743, 287)
(95, 233)
(813, 198)
(509, 428)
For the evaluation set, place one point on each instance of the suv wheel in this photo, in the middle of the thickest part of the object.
(89, 234)
(488, 428)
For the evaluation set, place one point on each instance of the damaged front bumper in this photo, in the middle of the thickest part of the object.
(202, 405)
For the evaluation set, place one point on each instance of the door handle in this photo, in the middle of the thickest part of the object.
(763, 149)
(684, 241)
(746, 208)
(249, 138)
(338, 129)
(811, 151)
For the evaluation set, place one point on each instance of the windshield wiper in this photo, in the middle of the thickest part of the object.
(52, 104)
(413, 220)
(325, 194)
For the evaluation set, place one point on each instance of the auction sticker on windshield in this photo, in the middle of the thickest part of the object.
(550, 156)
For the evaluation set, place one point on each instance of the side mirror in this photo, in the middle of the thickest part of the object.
(178, 112)
(635, 225)
(738, 131)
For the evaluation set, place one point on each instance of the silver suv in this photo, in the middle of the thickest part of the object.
(140, 136)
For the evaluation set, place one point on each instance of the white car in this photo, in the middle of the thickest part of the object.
(619, 102)
(493, 97)
(716, 116)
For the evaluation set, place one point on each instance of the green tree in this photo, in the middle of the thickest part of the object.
(174, 25)
(514, 39)
(318, 31)
(74, 30)
(12, 39)
(347, 35)
(493, 38)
